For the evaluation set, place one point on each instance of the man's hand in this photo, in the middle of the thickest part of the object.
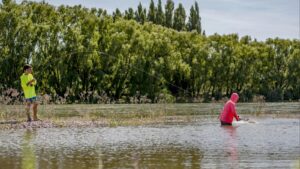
(243, 119)
(30, 82)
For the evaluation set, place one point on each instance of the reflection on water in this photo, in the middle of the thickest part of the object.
(231, 145)
(272, 143)
(171, 156)
(28, 156)
(153, 157)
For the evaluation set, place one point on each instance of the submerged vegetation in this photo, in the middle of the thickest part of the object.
(99, 115)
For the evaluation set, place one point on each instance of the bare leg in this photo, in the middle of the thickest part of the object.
(27, 109)
(35, 105)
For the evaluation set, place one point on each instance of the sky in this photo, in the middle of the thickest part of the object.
(260, 19)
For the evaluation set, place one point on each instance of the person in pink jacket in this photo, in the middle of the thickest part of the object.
(229, 111)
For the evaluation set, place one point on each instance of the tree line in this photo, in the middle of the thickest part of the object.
(169, 16)
(86, 54)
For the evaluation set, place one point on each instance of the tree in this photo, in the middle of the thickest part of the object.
(194, 22)
(169, 7)
(78, 52)
(117, 14)
(152, 12)
(179, 18)
(292, 91)
(6, 2)
(140, 14)
(160, 17)
(129, 14)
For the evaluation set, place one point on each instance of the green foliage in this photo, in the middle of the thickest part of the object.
(140, 14)
(85, 55)
(160, 17)
(194, 22)
(129, 14)
(179, 18)
(169, 8)
(152, 12)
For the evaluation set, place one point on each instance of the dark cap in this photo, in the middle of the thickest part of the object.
(27, 66)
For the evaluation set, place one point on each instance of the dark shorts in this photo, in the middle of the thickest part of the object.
(31, 100)
(225, 123)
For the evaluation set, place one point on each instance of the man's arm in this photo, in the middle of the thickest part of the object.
(32, 82)
(235, 113)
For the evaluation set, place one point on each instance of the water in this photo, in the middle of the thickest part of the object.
(269, 143)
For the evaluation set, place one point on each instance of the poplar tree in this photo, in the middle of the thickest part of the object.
(194, 22)
(117, 14)
(179, 18)
(140, 14)
(129, 14)
(160, 17)
(152, 12)
(169, 8)
(198, 18)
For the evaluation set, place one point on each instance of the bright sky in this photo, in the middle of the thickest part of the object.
(261, 19)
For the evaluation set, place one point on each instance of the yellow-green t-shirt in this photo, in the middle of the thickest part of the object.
(29, 91)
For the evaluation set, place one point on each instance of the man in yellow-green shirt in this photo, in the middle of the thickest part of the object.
(28, 85)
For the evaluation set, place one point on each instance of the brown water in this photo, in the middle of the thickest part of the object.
(269, 143)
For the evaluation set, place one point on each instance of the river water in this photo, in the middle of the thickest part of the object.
(268, 143)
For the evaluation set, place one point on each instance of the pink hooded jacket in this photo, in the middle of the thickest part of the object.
(229, 109)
